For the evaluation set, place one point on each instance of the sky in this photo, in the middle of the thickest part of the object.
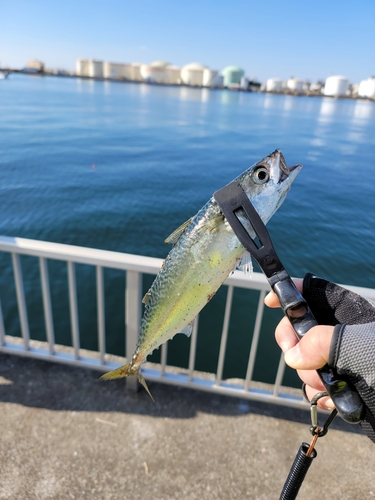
(267, 38)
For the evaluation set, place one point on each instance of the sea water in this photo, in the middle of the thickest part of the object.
(119, 166)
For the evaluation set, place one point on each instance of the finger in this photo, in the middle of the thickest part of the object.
(312, 351)
(325, 403)
(285, 335)
(312, 379)
(271, 299)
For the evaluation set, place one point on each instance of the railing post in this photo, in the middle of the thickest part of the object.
(101, 312)
(2, 328)
(21, 300)
(47, 305)
(73, 308)
(133, 310)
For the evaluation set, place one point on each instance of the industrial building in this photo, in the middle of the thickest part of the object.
(117, 71)
(211, 78)
(192, 74)
(274, 85)
(367, 88)
(82, 67)
(295, 85)
(89, 67)
(336, 86)
(232, 76)
(35, 65)
(160, 72)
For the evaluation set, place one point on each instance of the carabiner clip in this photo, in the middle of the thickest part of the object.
(315, 429)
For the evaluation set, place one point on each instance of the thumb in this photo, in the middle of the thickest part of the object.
(312, 351)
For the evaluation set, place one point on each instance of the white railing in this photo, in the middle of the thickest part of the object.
(134, 267)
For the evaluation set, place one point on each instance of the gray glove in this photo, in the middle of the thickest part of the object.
(352, 351)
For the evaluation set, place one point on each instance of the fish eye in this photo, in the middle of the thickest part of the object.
(261, 175)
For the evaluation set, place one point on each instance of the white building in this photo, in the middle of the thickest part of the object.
(117, 70)
(82, 67)
(96, 68)
(136, 72)
(174, 74)
(211, 78)
(192, 74)
(367, 88)
(35, 65)
(336, 86)
(274, 85)
(155, 72)
(295, 85)
(232, 76)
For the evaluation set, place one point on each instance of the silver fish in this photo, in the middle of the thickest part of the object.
(205, 252)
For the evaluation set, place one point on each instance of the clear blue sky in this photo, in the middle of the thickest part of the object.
(267, 38)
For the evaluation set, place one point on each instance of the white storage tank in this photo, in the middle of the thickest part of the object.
(117, 70)
(295, 85)
(82, 67)
(136, 72)
(367, 88)
(232, 76)
(336, 86)
(155, 72)
(210, 78)
(192, 74)
(96, 68)
(274, 85)
(174, 74)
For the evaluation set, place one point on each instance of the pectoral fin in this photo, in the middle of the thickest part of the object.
(176, 235)
(245, 264)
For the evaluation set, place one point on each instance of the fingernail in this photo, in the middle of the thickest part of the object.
(292, 356)
(284, 346)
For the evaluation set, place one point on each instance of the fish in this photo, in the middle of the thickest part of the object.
(205, 251)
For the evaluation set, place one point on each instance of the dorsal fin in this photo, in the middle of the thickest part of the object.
(176, 235)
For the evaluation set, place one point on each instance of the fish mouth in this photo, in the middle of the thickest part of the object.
(285, 172)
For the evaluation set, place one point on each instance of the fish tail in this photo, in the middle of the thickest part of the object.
(126, 371)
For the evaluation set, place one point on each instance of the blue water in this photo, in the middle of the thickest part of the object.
(120, 166)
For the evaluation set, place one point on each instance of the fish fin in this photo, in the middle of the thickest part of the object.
(245, 264)
(126, 371)
(188, 329)
(142, 381)
(214, 223)
(123, 371)
(176, 235)
(146, 298)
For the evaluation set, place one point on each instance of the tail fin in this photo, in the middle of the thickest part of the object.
(126, 371)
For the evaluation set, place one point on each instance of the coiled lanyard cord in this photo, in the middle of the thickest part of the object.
(306, 452)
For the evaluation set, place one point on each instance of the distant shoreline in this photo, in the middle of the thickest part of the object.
(124, 80)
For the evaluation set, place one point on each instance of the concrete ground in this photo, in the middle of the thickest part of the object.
(66, 435)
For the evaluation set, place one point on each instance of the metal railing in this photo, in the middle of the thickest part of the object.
(134, 267)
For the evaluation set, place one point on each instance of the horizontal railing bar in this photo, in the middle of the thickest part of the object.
(224, 388)
(197, 383)
(125, 261)
(58, 357)
(80, 255)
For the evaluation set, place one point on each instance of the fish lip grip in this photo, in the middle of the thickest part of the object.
(232, 198)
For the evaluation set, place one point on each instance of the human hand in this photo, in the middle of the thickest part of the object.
(306, 355)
